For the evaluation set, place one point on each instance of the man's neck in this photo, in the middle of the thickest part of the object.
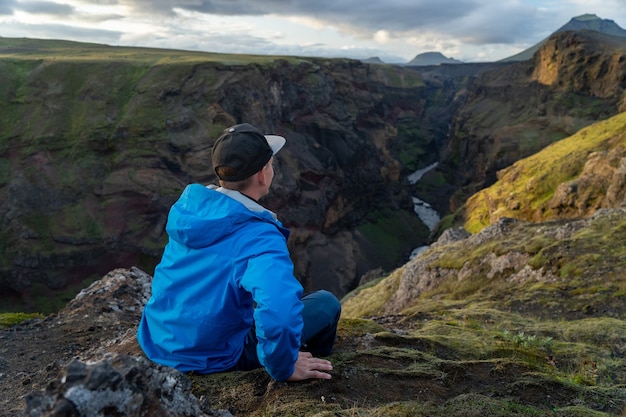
(250, 203)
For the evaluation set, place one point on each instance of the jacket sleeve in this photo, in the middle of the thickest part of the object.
(277, 294)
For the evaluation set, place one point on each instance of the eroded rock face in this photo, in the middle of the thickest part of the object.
(531, 262)
(419, 275)
(511, 112)
(602, 184)
(82, 200)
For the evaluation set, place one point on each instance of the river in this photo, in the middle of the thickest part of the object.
(424, 211)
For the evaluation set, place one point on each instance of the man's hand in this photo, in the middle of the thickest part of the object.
(309, 367)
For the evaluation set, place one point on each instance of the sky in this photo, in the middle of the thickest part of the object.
(393, 30)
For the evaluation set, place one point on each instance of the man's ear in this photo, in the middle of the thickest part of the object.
(262, 175)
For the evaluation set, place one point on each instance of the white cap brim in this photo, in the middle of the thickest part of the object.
(276, 142)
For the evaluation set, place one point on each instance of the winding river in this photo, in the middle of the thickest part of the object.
(423, 210)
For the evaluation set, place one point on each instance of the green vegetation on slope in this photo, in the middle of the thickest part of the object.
(526, 189)
(586, 268)
(61, 50)
(11, 319)
(541, 303)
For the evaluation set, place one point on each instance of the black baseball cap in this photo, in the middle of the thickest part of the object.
(245, 149)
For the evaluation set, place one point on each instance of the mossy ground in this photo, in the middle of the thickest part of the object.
(459, 362)
(10, 319)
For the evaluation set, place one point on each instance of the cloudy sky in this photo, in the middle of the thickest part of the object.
(393, 30)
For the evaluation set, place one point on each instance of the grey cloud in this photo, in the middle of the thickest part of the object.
(46, 7)
(392, 16)
(471, 20)
(109, 2)
(497, 25)
(99, 17)
(7, 7)
(395, 15)
(250, 44)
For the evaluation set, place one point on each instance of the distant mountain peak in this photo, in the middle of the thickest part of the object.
(373, 60)
(592, 22)
(432, 58)
(586, 16)
(586, 21)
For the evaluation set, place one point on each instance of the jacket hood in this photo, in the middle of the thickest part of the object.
(204, 215)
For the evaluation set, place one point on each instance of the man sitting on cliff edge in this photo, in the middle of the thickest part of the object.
(224, 297)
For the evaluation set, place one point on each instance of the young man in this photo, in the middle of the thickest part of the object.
(224, 297)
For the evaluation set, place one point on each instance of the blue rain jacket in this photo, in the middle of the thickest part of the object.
(225, 268)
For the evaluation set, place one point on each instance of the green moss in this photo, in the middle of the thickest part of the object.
(369, 300)
(400, 78)
(5, 171)
(471, 404)
(532, 182)
(579, 411)
(412, 143)
(11, 319)
(353, 327)
(537, 261)
(78, 222)
(69, 51)
(464, 405)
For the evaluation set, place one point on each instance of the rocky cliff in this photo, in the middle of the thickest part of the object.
(513, 111)
(85, 361)
(572, 178)
(97, 143)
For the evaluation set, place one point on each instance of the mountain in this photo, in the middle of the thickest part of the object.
(431, 58)
(373, 60)
(580, 23)
(511, 111)
(593, 22)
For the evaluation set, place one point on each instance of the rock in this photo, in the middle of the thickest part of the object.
(452, 235)
(85, 360)
(120, 385)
